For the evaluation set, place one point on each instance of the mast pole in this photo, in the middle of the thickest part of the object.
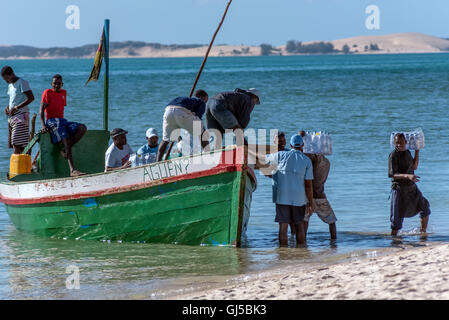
(106, 75)
(208, 50)
(202, 65)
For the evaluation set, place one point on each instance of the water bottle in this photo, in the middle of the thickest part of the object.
(147, 159)
(132, 159)
(138, 160)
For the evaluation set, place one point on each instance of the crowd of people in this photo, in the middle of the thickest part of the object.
(298, 181)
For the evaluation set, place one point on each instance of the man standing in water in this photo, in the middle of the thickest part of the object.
(322, 207)
(53, 103)
(406, 199)
(294, 194)
(20, 96)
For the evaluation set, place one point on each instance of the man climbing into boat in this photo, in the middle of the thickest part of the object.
(406, 199)
(183, 113)
(151, 148)
(118, 154)
(20, 96)
(294, 194)
(231, 110)
(53, 103)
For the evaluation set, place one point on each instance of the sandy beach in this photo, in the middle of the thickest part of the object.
(406, 273)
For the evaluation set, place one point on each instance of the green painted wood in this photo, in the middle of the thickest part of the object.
(196, 211)
(88, 155)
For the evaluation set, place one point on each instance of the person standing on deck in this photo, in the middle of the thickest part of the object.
(231, 110)
(406, 199)
(322, 207)
(118, 154)
(53, 102)
(20, 96)
(294, 194)
(183, 113)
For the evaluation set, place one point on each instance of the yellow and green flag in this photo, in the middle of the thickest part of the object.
(95, 74)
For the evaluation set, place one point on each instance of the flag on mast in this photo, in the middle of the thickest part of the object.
(95, 73)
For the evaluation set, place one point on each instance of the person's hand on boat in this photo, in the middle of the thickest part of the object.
(126, 165)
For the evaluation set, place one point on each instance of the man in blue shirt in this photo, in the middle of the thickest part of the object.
(183, 113)
(294, 193)
(150, 149)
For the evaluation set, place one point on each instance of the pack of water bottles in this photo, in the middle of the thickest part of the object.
(415, 139)
(318, 142)
(142, 159)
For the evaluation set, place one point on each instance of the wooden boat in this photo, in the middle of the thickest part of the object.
(198, 200)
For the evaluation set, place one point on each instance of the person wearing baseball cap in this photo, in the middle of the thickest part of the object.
(118, 153)
(294, 194)
(150, 149)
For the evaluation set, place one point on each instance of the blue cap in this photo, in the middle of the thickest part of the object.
(296, 141)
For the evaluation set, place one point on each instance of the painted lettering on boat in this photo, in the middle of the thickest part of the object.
(165, 170)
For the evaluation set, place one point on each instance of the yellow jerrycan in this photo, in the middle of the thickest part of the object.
(19, 164)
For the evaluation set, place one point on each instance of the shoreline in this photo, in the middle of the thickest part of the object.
(223, 56)
(402, 273)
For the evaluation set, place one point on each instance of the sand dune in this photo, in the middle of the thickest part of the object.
(393, 43)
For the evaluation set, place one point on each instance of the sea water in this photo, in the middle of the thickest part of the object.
(359, 99)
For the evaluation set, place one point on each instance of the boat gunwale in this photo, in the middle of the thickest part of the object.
(9, 182)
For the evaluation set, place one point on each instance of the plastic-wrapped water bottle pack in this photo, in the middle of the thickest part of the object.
(318, 142)
(415, 139)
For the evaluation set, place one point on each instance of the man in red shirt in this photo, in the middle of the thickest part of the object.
(69, 133)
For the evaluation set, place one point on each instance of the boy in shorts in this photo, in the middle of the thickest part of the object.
(20, 96)
(321, 206)
(69, 133)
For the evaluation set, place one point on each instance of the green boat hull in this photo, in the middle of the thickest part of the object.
(209, 210)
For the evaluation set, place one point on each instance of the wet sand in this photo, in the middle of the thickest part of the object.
(407, 273)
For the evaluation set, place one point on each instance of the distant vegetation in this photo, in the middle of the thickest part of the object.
(268, 50)
(86, 50)
(311, 48)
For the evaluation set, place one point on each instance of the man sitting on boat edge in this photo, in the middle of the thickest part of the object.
(69, 133)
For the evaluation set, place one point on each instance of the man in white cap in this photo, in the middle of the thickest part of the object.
(150, 149)
(294, 193)
(231, 110)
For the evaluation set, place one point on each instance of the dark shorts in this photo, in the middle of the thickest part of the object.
(60, 129)
(289, 214)
(219, 117)
(407, 202)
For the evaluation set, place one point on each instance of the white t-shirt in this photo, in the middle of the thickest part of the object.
(16, 92)
(115, 158)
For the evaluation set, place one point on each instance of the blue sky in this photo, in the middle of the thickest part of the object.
(42, 23)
